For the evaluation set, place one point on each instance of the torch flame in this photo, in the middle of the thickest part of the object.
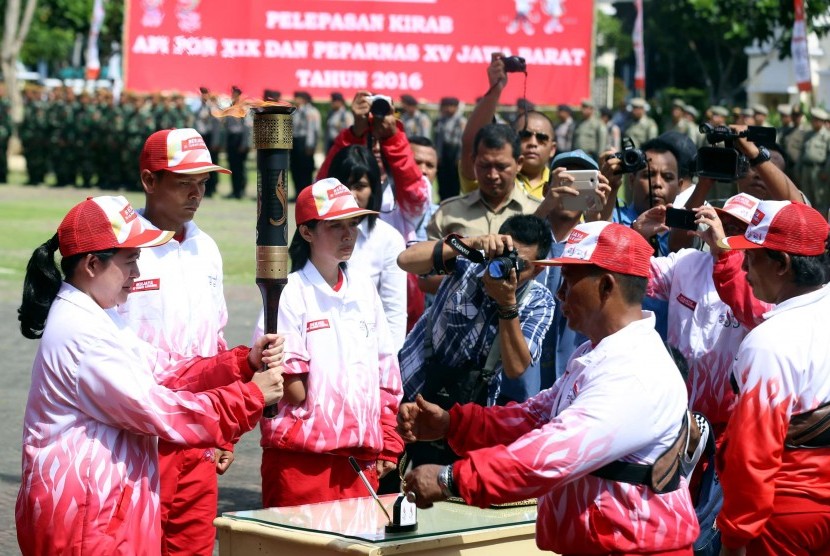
(245, 104)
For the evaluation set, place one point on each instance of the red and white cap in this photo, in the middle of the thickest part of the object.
(742, 206)
(327, 199)
(181, 151)
(607, 245)
(793, 228)
(102, 223)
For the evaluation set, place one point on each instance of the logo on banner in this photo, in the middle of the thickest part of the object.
(313, 325)
(189, 19)
(153, 14)
(146, 285)
(525, 18)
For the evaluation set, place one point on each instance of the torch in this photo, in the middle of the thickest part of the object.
(273, 137)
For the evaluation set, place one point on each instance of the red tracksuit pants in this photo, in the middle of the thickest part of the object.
(295, 478)
(189, 498)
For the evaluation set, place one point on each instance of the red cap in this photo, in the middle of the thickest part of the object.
(793, 228)
(181, 151)
(327, 199)
(102, 223)
(607, 245)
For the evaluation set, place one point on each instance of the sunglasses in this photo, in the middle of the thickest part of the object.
(526, 134)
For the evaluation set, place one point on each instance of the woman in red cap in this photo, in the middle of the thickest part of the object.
(96, 411)
(775, 459)
(343, 383)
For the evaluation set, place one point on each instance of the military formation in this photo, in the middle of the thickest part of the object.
(99, 139)
(88, 139)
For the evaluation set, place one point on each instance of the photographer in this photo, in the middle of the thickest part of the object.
(472, 308)
(406, 193)
(535, 132)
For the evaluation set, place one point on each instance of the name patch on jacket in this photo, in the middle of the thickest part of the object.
(686, 302)
(313, 325)
(146, 285)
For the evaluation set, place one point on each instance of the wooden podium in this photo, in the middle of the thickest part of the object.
(356, 526)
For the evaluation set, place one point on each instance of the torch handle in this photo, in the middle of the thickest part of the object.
(271, 290)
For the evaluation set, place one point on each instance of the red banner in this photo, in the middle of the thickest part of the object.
(426, 48)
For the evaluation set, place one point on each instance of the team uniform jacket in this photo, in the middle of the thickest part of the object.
(94, 415)
(341, 341)
(701, 326)
(403, 206)
(614, 402)
(782, 369)
(178, 303)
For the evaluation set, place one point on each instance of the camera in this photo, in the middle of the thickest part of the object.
(632, 158)
(499, 267)
(727, 163)
(381, 105)
(514, 64)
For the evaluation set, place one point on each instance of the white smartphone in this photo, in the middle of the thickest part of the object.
(586, 183)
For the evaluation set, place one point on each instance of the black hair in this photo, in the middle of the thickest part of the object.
(351, 164)
(300, 250)
(421, 141)
(808, 271)
(632, 288)
(530, 230)
(530, 113)
(42, 282)
(496, 136)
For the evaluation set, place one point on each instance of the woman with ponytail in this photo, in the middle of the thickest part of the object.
(95, 410)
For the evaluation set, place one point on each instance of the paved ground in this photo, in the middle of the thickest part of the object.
(239, 488)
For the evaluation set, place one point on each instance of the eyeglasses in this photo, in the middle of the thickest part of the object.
(526, 134)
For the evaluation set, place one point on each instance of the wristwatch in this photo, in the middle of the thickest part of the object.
(763, 156)
(445, 482)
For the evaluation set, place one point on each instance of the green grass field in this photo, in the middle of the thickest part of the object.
(30, 215)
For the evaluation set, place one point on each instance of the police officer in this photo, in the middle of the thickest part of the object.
(679, 122)
(590, 134)
(813, 169)
(642, 128)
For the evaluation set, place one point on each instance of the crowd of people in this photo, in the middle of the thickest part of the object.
(659, 388)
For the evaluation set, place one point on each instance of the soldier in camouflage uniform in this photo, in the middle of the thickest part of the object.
(87, 140)
(5, 135)
(813, 164)
(642, 128)
(34, 136)
(138, 125)
(64, 137)
(590, 134)
(108, 128)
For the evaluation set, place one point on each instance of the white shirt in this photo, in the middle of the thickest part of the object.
(701, 326)
(376, 256)
(341, 340)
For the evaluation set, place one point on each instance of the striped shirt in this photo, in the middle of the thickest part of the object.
(466, 324)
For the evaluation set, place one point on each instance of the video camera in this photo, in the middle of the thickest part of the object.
(728, 163)
(632, 158)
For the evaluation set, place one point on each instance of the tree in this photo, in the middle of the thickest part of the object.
(701, 43)
(15, 28)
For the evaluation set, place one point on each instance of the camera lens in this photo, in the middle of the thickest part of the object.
(498, 269)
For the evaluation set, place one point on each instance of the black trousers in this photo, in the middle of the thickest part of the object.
(236, 161)
(301, 165)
